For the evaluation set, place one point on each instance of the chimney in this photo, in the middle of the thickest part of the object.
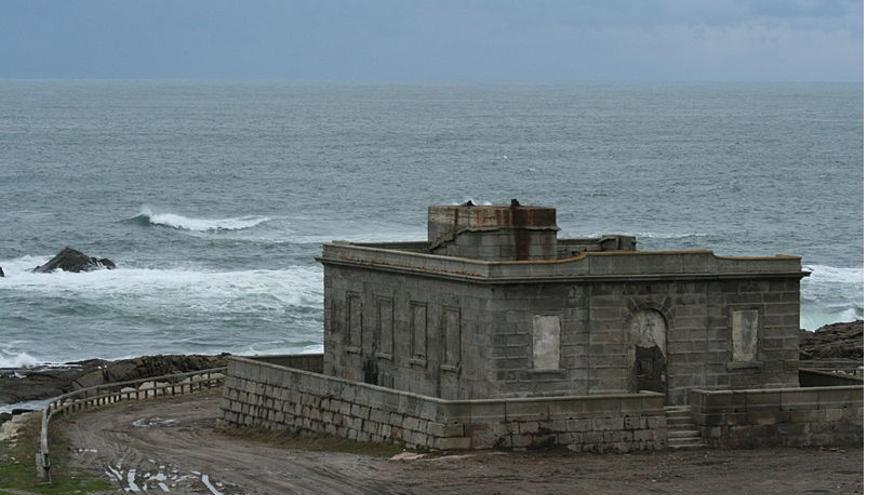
(498, 233)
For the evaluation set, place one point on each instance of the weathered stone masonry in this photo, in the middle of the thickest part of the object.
(494, 333)
(276, 397)
(460, 328)
(792, 417)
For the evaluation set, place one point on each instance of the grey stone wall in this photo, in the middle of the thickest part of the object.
(274, 397)
(306, 362)
(493, 232)
(791, 417)
(501, 244)
(728, 322)
(456, 339)
(566, 248)
(420, 335)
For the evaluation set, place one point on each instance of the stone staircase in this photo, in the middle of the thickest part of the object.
(683, 433)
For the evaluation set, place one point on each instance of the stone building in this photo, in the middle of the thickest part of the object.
(495, 305)
(495, 333)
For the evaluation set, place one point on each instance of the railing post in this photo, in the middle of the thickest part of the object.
(42, 456)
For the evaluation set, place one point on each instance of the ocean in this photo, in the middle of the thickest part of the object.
(213, 198)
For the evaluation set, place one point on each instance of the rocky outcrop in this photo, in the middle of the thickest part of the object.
(71, 260)
(43, 383)
(1, 272)
(834, 341)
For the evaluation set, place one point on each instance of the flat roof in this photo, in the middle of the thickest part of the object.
(692, 264)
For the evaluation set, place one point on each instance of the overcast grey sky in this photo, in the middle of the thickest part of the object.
(434, 40)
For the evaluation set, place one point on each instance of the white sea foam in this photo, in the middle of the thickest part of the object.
(833, 286)
(147, 216)
(831, 294)
(245, 289)
(17, 360)
(811, 320)
(32, 405)
(669, 235)
(836, 274)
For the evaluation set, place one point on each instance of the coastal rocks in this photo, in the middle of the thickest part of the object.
(1, 272)
(834, 341)
(146, 366)
(19, 385)
(71, 260)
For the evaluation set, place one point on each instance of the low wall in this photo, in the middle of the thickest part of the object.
(816, 378)
(306, 362)
(275, 397)
(790, 417)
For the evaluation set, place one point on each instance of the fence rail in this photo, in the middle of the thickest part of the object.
(848, 366)
(110, 393)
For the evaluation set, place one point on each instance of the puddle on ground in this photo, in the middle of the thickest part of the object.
(162, 479)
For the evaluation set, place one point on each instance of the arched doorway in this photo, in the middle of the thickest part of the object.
(647, 331)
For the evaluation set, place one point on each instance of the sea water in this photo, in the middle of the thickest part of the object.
(213, 198)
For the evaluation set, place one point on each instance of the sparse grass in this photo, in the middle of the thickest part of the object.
(18, 470)
(311, 442)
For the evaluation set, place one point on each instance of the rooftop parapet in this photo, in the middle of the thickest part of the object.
(597, 266)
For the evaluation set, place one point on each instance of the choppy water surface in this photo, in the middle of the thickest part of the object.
(213, 198)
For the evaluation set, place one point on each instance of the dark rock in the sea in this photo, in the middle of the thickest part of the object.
(107, 263)
(1, 272)
(43, 383)
(834, 341)
(71, 260)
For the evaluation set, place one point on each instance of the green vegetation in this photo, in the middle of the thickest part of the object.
(18, 470)
(312, 442)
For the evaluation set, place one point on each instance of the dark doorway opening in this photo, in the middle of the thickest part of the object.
(650, 369)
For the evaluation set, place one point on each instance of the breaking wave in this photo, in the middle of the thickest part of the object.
(148, 218)
(835, 274)
(17, 360)
(831, 294)
(241, 290)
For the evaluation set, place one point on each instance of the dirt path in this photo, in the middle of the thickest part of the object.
(172, 445)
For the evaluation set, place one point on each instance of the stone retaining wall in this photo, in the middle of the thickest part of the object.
(790, 417)
(306, 362)
(275, 397)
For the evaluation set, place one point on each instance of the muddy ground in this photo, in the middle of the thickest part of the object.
(174, 445)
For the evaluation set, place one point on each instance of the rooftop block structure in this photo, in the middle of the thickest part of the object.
(495, 306)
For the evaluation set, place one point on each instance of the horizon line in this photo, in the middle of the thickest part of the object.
(435, 81)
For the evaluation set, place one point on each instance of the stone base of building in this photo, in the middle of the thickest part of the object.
(275, 397)
(289, 393)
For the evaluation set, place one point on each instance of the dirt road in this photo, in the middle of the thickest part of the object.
(172, 446)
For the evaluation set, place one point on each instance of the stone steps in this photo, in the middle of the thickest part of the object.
(678, 420)
(683, 433)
